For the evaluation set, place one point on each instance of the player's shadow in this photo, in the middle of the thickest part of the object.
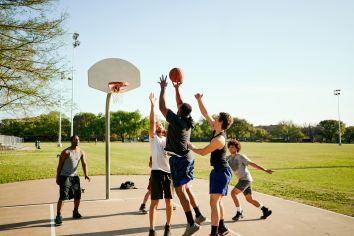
(131, 231)
(46, 222)
(239, 221)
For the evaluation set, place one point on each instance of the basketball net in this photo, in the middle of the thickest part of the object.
(116, 89)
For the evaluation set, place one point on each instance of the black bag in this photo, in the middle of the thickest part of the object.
(128, 185)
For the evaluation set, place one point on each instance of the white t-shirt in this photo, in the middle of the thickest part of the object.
(160, 160)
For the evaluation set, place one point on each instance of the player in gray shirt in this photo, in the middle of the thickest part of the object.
(238, 163)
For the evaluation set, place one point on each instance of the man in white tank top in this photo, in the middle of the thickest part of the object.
(160, 179)
(67, 178)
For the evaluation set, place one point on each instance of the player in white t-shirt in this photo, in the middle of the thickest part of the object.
(160, 178)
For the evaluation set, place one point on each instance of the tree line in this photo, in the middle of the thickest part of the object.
(133, 126)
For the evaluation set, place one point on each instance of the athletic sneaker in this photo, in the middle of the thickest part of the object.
(266, 212)
(167, 232)
(152, 233)
(142, 209)
(76, 215)
(222, 230)
(58, 220)
(191, 229)
(238, 216)
(200, 219)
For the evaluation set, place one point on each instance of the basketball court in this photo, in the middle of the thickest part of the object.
(29, 208)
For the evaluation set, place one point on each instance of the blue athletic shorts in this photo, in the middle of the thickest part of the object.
(182, 170)
(219, 180)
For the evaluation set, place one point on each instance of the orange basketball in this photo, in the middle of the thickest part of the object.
(176, 75)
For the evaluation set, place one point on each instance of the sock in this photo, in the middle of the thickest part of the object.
(221, 223)
(239, 209)
(263, 208)
(197, 211)
(151, 230)
(58, 213)
(214, 230)
(76, 209)
(167, 227)
(189, 217)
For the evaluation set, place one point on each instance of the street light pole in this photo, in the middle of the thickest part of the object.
(60, 98)
(76, 43)
(337, 93)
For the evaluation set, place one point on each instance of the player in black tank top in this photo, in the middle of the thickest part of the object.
(218, 156)
(220, 176)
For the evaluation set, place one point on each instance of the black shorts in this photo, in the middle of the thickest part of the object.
(244, 186)
(69, 187)
(161, 185)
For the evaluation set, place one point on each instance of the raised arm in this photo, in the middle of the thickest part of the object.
(84, 165)
(152, 128)
(162, 100)
(179, 100)
(203, 110)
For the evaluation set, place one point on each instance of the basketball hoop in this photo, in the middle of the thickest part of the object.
(116, 88)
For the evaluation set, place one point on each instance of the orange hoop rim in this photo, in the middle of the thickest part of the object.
(116, 87)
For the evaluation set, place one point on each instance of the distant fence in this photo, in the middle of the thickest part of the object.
(10, 142)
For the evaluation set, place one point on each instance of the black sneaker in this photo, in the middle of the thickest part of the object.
(238, 216)
(152, 233)
(266, 213)
(76, 215)
(58, 220)
(222, 230)
(167, 231)
(142, 209)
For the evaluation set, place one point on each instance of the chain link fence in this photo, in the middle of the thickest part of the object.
(10, 142)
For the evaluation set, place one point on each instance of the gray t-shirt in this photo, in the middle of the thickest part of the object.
(239, 165)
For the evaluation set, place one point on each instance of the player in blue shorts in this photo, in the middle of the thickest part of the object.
(221, 174)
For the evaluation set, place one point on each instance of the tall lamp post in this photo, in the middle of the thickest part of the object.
(76, 43)
(337, 93)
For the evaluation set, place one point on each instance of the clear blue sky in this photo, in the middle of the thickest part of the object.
(264, 61)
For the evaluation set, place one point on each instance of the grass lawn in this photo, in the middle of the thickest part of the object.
(321, 175)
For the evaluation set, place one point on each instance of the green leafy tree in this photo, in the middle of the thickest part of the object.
(260, 134)
(349, 134)
(127, 124)
(287, 131)
(240, 129)
(84, 125)
(329, 131)
(29, 41)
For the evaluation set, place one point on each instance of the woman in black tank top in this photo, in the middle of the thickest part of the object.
(220, 176)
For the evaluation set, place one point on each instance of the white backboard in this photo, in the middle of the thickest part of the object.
(113, 70)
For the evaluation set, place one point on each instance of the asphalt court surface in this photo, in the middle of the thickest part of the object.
(29, 208)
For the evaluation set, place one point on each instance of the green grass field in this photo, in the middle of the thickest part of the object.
(321, 175)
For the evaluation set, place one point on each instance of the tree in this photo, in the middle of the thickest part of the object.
(349, 134)
(127, 124)
(84, 125)
(329, 130)
(28, 59)
(260, 134)
(240, 129)
(287, 131)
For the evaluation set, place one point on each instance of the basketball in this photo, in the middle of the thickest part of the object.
(176, 75)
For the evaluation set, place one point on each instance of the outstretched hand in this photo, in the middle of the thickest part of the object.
(163, 81)
(152, 99)
(190, 146)
(269, 171)
(198, 96)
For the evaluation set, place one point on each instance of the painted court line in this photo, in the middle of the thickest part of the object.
(52, 225)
